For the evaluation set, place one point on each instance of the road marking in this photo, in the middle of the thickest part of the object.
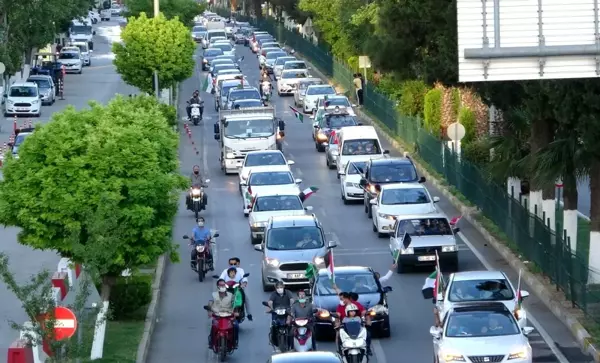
(378, 351)
(543, 333)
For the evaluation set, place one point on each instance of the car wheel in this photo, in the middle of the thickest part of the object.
(385, 331)
(330, 165)
(374, 226)
(370, 214)
(6, 114)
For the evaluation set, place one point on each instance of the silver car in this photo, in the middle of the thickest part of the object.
(332, 151)
(46, 86)
(300, 92)
(290, 245)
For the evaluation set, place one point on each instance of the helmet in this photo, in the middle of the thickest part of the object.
(351, 307)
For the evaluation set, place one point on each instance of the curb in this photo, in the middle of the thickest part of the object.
(151, 315)
(581, 335)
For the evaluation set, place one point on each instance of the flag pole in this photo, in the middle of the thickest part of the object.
(518, 294)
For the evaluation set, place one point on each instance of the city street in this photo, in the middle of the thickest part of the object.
(183, 326)
(99, 83)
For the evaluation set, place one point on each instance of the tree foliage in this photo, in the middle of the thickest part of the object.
(184, 10)
(154, 44)
(97, 185)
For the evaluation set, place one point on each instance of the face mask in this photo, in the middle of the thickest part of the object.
(222, 288)
(341, 302)
(200, 224)
(279, 291)
(196, 172)
(301, 301)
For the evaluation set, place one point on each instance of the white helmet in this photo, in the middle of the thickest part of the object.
(351, 307)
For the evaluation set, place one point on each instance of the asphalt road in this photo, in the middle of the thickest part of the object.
(183, 326)
(100, 83)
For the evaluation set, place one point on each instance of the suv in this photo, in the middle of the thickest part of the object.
(386, 171)
(287, 255)
(23, 98)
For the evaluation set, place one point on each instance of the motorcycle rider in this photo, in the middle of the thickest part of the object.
(222, 302)
(201, 235)
(266, 86)
(352, 314)
(280, 298)
(233, 274)
(303, 309)
(197, 181)
(194, 100)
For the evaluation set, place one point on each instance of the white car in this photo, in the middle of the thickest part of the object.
(350, 181)
(279, 63)
(333, 101)
(313, 93)
(481, 333)
(262, 57)
(288, 81)
(225, 46)
(86, 52)
(397, 200)
(70, 57)
(23, 98)
(271, 204)
(480, 287)
(261, 159)
(269, 179)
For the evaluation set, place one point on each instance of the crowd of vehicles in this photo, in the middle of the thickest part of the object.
(292, 241)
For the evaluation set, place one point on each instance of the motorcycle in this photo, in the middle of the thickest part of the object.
(203, 265)
(302, 335)
(266, 91)
(239, 297)
(222, 339)
(281, 329)
(353, 342)
(195, 112)
(197, 199)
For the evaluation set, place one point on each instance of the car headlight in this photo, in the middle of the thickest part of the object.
(35, 102)
(321, 136)
(378, 310)
(258, 224)
(205, 61)
(407, 251)
(10, 102)
(521, 354)
(352, 185)
(453, 357)
(229, 156)
(272, 262)
(319, 260)
(386, 216)
(448, 248)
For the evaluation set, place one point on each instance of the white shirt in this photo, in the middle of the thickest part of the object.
(239, 275)
(387, 276)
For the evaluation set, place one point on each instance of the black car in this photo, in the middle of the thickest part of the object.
(386, 171)
(210, 54)
(306, 357)
(334, 120)
(361, 280)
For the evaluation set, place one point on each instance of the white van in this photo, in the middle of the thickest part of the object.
(358, 143)
(213, 33)
(86, 56)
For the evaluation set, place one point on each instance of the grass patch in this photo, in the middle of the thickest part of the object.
(122, 339)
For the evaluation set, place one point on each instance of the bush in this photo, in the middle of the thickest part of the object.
(467, 118)
(455, 94)
(433, 111)
(477, 152)
(412, 96)
(390, 87)
(129, 296)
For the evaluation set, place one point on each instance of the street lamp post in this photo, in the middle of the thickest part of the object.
(156, 89)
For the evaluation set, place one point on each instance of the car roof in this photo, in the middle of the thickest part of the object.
(234, 90)
(270, 168)
(275, 193)
(66, 49)
(347, 270)
(321, 85)
(248, 100)
(260, 152)
(229, 71)
(491, 306)
(358, 133)
(24, 84)
(296, 61)
(403, 186)
(287, 71)
(224, 60)
(307, 220)
(420, 216)
(391, 161)
(308, 357)
(479, 275)
(332, 96)
(291, 58)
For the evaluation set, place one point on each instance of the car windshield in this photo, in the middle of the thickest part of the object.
(247, 104)
(481, 290)
(217, 34)
(223, 47)
(243, 129)
(277, 203)
(358, 168)
(294, 238)
(361, 147)
(338, 101)
(198, 29)
(281, 61)
(222, 67)
(20, 138)
(227, 57)
(82, 47)
(227, 71)
(480, 324)
(24, 91)
(212, 52)
(225, 88)
(424, 227)
(270, 45)
(339, 121)
(295, 65)
(404, 196)
(42, 83)
(80, 29)
(220, 61)
(264, 159)
(320, 90)
(303, 85)
(244, 94)
(68, 55)
(360, 283)
(393, 173)
(270, 178)
(274, 55)
(292, 75)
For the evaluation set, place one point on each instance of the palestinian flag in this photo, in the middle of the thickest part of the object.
(431, 286)
(396, 255)
(331, 268)
(307, 193)
(205, 84)
(298, 114)
(311, 271)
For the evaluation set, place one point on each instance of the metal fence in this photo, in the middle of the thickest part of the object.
(527, 233)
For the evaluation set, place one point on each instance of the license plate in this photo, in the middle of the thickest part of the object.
(22, 109)
(295, 276)
(426, 258)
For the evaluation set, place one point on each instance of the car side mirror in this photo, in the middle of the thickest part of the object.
(331, 244)
(216, 128)
(422, 179)
(363, 183)
(244, 183)
(340, 173)
(527, 330)
(281, 125)
(298, 181)
(94, 32)
(524, 294)
(40, 97)
(386, 152)
(456, 230)
(5, 96)
(373, 201)
(291, 162)
(258, 248)
(435, 332)
(315, 125)
(185, 236)
(436, 199)
(387, 289)
(308, 208)
(216, 235)
(247, 274)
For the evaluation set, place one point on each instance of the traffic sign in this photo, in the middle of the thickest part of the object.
(65, 324)
(456, 131)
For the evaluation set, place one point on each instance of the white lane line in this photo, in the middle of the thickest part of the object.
(378, 351)
(543, 333)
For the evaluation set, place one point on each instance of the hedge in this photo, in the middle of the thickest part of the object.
(130, 296)
(412, 95)
(433, 111)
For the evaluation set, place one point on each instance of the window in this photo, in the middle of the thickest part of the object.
(271, 178)
(336, 101)
(223, 47)
(292, 75)
(242, 129)
(293, 238)
(277, 203)
(247, 104)
(360, 283)
(358, 169)
(481, 290)
(23, 92)
(211, 35)
(275, 55)
(320, 90)
(480, 324)
(249, 94)
(339, 121)
(393, 173)
(265, 159)
(404, 196)
(424, 227)
(68, 55)
(213, 52)
(361, 147)
(42, 83)
(281, 60)
(295, 65)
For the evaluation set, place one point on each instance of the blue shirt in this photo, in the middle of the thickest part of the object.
(201, 234)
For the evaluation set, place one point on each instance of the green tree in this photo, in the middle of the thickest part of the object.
(97, 185)
(154, 44)
(185, 10)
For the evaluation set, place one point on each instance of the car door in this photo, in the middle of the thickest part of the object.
(344, 176)
(375, 207)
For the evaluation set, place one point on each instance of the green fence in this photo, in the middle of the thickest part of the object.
(529, 234)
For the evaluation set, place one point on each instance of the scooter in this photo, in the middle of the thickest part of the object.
(203, 265)
(222, 333)
(302, 336)
(197, 194)
(239, 297)
(353, 342)
(281, 329)
(266, 91)
(195, 112)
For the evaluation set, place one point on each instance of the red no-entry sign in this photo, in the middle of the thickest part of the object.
(65, 325)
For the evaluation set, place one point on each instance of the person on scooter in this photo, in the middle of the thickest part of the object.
(232, 274)
(201, 235)
(303, 309)
(222, 302)
(266, 87)
(351, 314)
(194, 100)
(281, 298)
(362, 312)
(197, 181)
(235, 262)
